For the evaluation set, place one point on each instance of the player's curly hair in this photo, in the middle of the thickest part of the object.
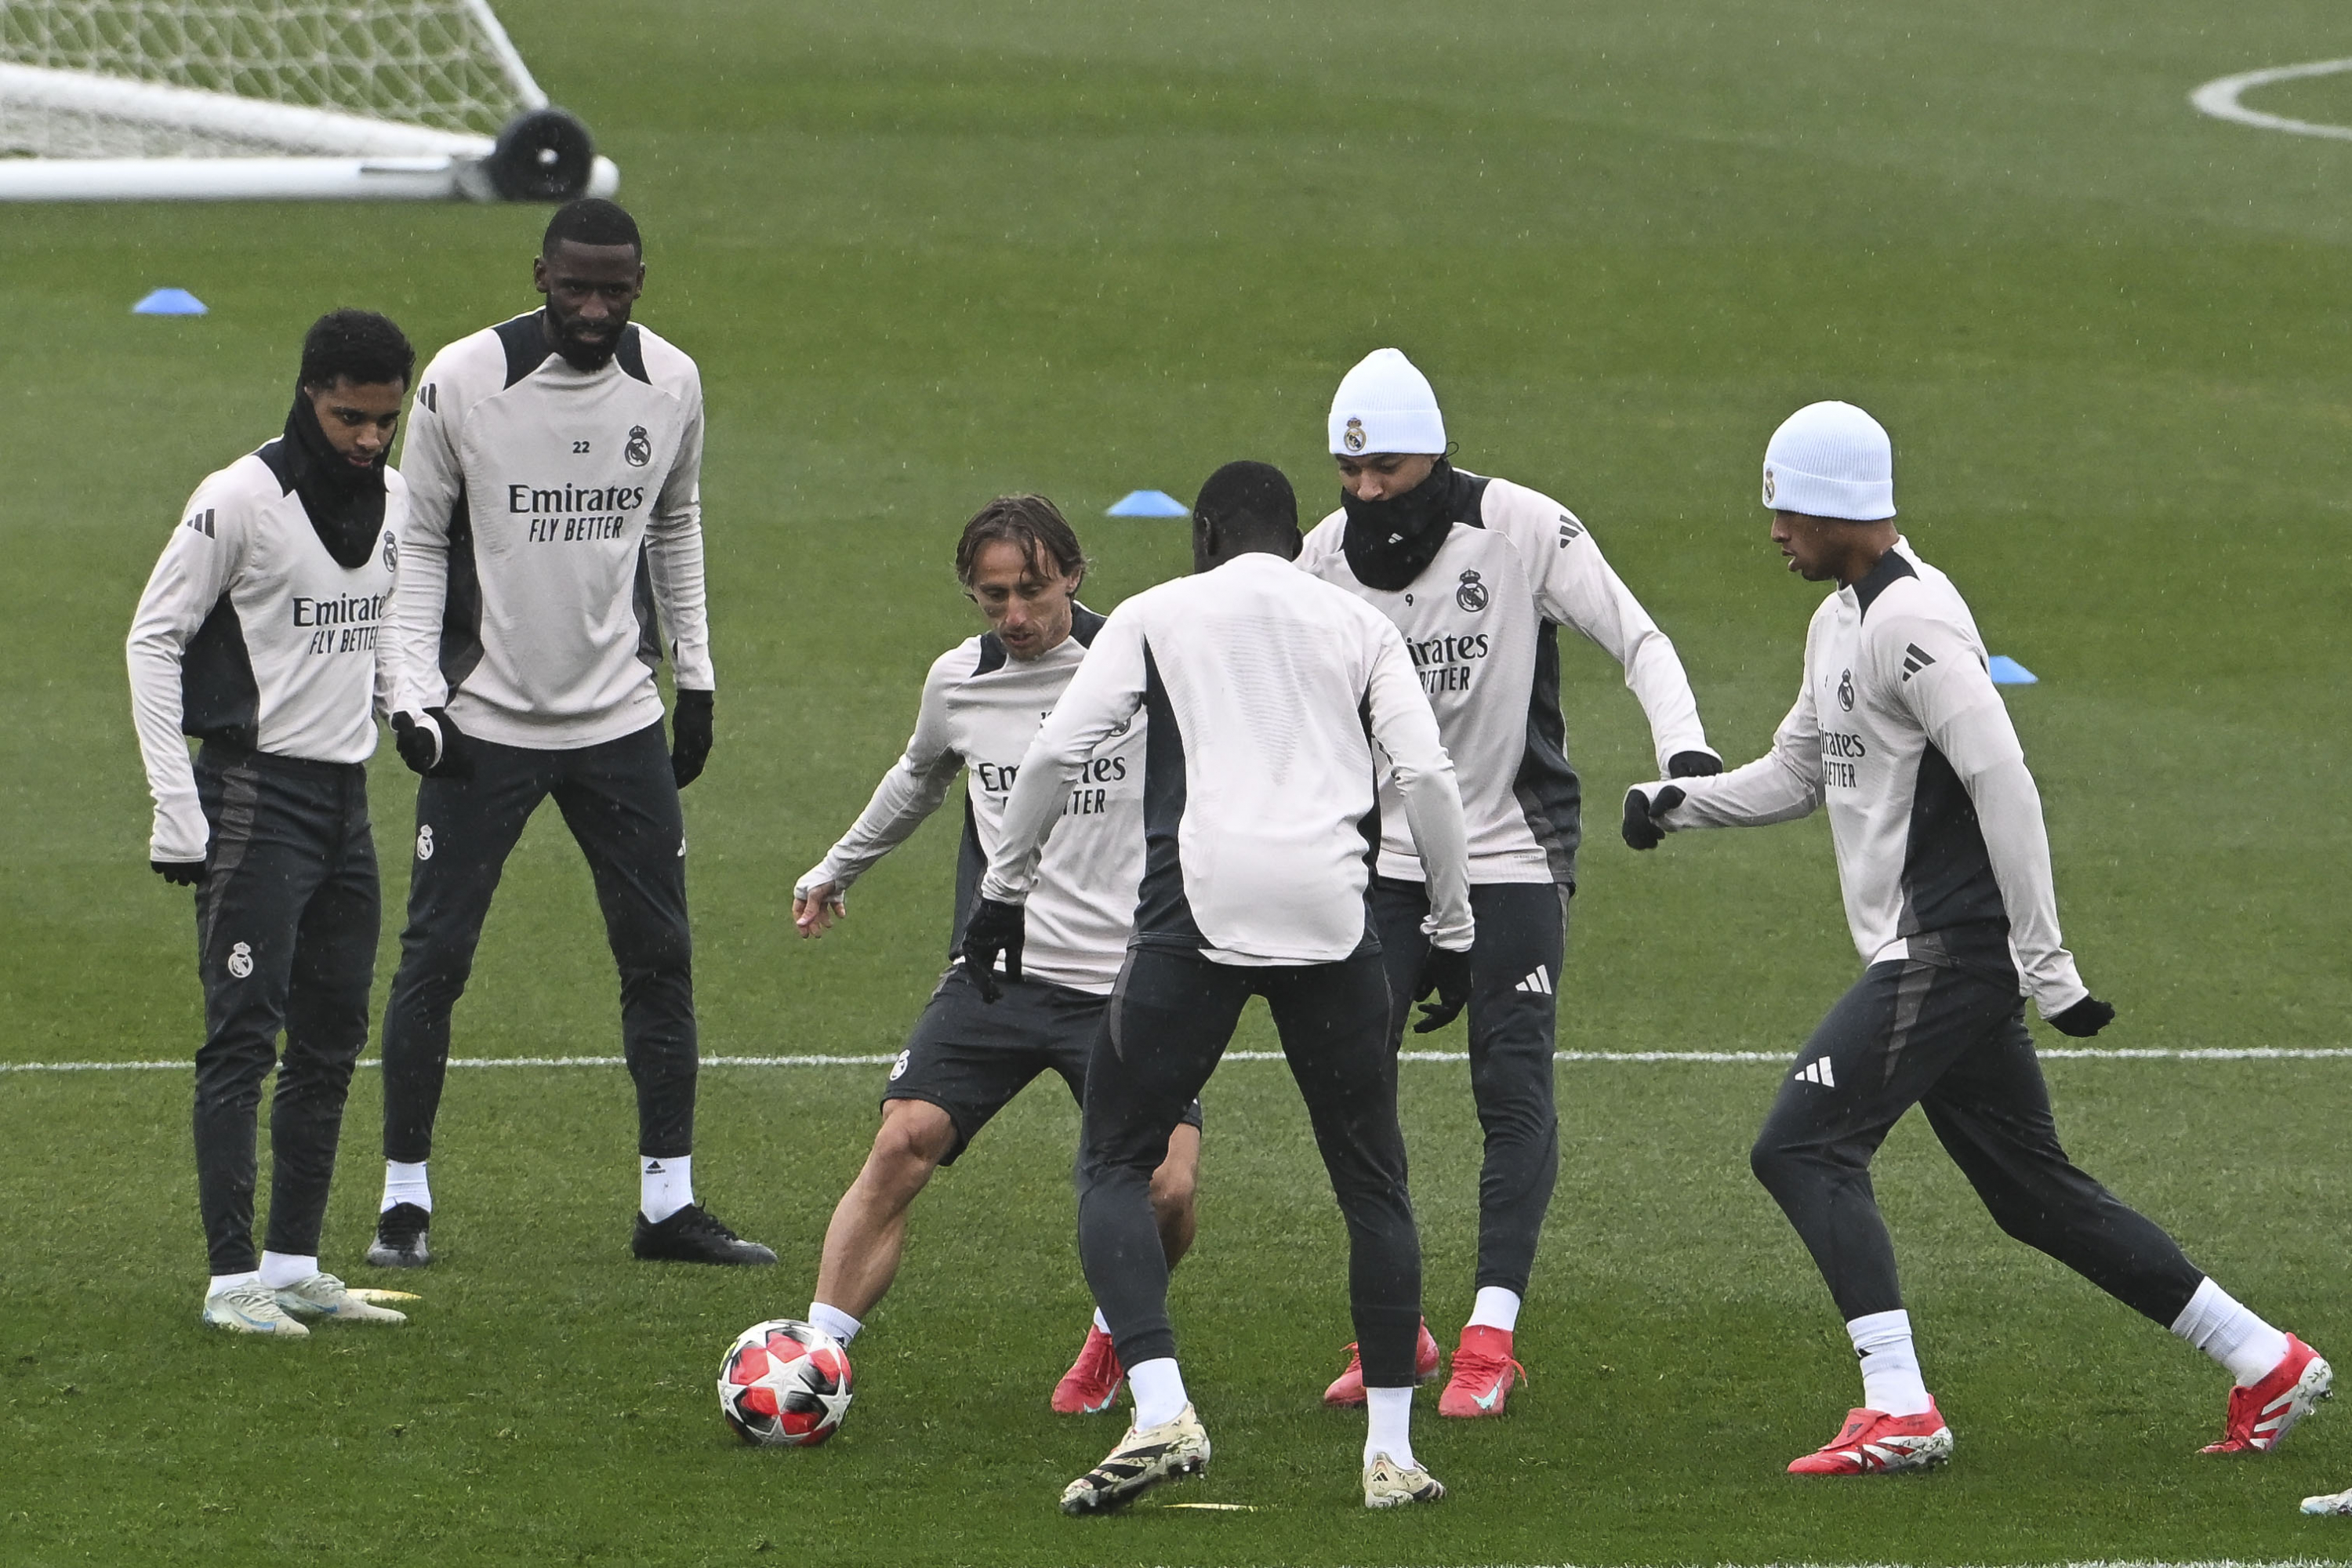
(591, 220)
(357, 346)
(1033, 525)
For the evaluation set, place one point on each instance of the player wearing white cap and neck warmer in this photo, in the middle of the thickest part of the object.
(1945, 870)
(1480, 574)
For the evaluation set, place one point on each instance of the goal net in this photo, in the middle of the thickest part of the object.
(278, 98)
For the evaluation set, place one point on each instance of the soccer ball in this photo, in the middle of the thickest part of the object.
(784, 1385)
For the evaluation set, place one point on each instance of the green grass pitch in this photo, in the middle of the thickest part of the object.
(930, 251)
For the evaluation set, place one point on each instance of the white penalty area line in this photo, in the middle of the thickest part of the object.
(1645, 1059)
(2219, 99)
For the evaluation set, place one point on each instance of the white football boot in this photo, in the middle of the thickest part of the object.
(1146, 1457)
(2339, 1503)
(1388, 1484)
(324, 1296)
(251, 1308)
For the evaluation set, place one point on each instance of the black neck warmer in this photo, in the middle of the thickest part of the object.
(1388, 542)
(345, 504)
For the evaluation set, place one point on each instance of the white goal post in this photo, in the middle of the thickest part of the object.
(278, 100)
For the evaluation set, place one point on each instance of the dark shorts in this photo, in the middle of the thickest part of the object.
(970, 1057)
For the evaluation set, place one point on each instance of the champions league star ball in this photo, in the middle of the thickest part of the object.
(784, 1385)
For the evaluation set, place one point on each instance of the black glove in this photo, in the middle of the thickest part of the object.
(1447, 974)
(1693, 766)
(689, 732)
(992, 928)
(180, 873)
(416, 745)
(2085, 1019)
(1641, 812)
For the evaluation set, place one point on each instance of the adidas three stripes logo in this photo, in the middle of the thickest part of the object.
(1915, 660)
(1538, 982)
(1818, 1072)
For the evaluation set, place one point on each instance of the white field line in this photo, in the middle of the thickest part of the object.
(2219, 99)
(1701, 1059)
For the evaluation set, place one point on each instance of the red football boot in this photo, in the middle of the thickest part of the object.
(1483, 1374)
(1346, 1390)
(1093, 1380)
(2261, 1417)
(1873, 1443)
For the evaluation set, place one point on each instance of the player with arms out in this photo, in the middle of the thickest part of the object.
(1020, 561)
(553, 548)
(1945, 871)
(1480, 574)
(1265, 693)
(256, 634)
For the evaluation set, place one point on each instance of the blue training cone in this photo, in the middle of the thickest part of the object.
(2007, 671)
(1147, 503)
(168, 303)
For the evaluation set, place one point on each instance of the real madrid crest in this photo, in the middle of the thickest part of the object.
(1352, 438)
(391, 551)
(1846, 690)
(1769, 486)
(640, 449)
(1470, 593)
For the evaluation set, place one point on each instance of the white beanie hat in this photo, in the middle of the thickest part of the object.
(1384, 404)
(1830, 460)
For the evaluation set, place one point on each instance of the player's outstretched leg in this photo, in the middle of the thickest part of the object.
(1991, 1113)
(1093, 1381)
(1882, 1045)
(867, 1233)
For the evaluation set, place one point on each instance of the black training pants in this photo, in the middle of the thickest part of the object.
(287, 918)
(1515, 964)
(620, 800)
(1170, 1020)
(1956, 1045)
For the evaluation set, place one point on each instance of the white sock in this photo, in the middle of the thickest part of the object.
(405, 1183)
(2231, 1335)
(1159, 1391)
(279, 1269)
(665, 1186)
(1389, 1429)
(224, 1281)
(1890, 1367)
(1100, 1322)
(1495, 1308)
(833, 1321)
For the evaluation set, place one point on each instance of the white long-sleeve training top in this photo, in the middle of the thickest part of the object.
(981, 708)
(1481, 622)
(250, 632)
(1266, 691)
(1942, 854)
(554, 536)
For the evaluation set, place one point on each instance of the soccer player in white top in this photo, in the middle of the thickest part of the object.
(1020, 561)
(1265, 694)
(552, 554)
(1480, 574)
(1899, 731)
(257, 636)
